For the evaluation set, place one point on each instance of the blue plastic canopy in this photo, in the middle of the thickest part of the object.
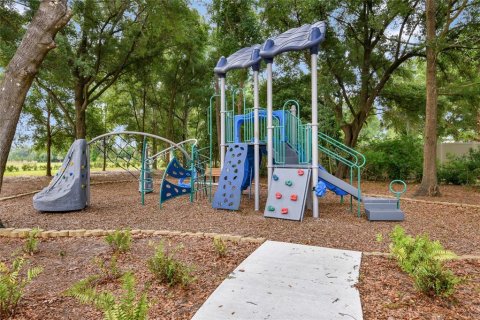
(243, 58)
(308, 36)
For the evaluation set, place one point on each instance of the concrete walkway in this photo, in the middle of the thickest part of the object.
(289, 281)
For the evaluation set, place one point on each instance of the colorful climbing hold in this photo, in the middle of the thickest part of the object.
(71, 173)
(83, 186)
(284, 210)
(71, 163)
(275, 177)
(293, 197)
(300, 172)
(271, 208)
(289, 183)
(278, 195)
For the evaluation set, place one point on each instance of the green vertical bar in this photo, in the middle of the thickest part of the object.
(142, 171)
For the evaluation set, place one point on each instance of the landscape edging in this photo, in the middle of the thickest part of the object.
(78, 233)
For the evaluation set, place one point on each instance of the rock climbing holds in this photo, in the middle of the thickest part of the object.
(289, 183)
(300, 172)
(71, 174)
(275, 177)
(284, 210)
(271, 208)
(83, 186)
(278, 195)
(293, 197)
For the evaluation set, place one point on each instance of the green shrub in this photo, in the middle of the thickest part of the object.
(461, 170)
(120, 241)
(12, 168)
(31, 244)
(126, 307)
(423, 260)
(12, 285)
(399, 158)
(29, 167)
(220, 246)
(109, 269)
(167, 269)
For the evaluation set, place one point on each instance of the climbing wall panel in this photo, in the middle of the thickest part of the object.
(68, 190)
(170, 190)
(229, 192)
(288, 193)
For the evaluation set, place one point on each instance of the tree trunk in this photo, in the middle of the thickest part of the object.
(429, 185)
(49, 139)
(351, 132)
(80, 110)
(20, 72)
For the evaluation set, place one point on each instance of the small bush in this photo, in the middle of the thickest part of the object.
(109, 269)
(167, 269)
(126, 307)
(423, 260)
(31, 244)
(220, 246)
(12, 168)
(120, 241)
(29, 167)
(399, 158)
(12, 285)
(461, 170)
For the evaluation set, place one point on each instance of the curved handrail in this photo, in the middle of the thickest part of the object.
(158, 154)
(295, 102)
(352, 152)
(145, 135)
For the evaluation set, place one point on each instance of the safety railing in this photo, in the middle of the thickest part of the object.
(347, 156)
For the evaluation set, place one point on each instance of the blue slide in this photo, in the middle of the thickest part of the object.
(330, 186)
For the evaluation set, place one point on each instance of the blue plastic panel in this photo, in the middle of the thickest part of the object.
(243, 58)
(175, 170)
(170, 190)
(305, 37)
(229, 192)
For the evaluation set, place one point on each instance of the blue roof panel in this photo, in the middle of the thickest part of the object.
(308, 36)
(243, 58)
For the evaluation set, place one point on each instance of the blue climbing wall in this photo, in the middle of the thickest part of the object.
(236, 166)
(170, 190)
(288, 193)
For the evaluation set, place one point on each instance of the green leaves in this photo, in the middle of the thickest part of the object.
(128, 306)
(423, 260)
(13, 283)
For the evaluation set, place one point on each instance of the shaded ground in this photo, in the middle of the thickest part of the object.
(450, 193)
(118, 205)
(388, 293)
(385, 290)
(66, 261)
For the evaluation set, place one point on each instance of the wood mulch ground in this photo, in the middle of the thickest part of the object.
(449, 193)
(388, 293)
(117, 205)
(68, 260)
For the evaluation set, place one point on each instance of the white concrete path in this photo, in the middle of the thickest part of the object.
(289, 281)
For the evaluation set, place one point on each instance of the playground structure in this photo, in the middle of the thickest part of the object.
(295, 177)
(69, 190)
